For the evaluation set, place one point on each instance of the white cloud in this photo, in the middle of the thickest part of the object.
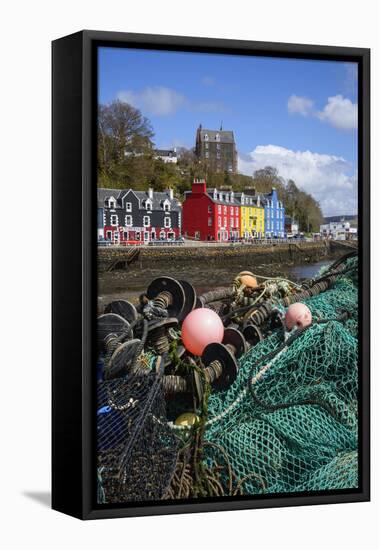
(340, 112)
(299, 105)
(327, 178)
(162, 101)
(155, 100)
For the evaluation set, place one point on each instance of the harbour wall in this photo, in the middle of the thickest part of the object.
(110, 258)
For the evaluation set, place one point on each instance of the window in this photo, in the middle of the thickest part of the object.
(218, 146)
(206, 155)
(236, 222)
(206, 137)
(217, 137)
(162, 234)
(232, 210)
(111, 203)
(219, 209)
(224, 209)
(225, 222)
(209, 209)
(148, 204)
(232, 222)
(209, 222)
(114, 220)
(166, 206)
(207, 145)
(109, 235)
(146, 221)
(219, 221)
(167, 222)
(128, 206)
(128, 221)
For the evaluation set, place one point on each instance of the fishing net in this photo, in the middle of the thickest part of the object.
(136, 449)
(289, 421)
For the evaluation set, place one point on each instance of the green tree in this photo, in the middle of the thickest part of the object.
(125, 147)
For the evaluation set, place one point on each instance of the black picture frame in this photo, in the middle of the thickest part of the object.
(74, 271)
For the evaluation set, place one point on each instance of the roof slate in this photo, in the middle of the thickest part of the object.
(158, 197)
(226, 136)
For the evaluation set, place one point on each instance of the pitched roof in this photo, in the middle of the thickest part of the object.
(158, 197)
(165, 152)
(226, 136)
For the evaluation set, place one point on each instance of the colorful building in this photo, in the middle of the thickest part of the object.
(252, 214)
(210, 215)
(130, 216)
(274, 215)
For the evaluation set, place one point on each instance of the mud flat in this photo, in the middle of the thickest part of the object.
(208, 267)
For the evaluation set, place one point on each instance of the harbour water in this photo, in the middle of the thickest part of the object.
(130, 284)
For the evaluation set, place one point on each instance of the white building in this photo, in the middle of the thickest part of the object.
(167, 155)
(338, 231)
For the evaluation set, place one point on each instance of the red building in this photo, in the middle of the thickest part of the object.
(210, 215)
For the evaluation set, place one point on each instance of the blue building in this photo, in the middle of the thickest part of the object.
(274, 215)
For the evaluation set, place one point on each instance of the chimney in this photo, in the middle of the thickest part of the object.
(199, 186)
(150, 193)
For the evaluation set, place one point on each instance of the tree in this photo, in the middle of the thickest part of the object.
(124, 143)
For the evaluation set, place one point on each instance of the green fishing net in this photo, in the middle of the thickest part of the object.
(293, 426)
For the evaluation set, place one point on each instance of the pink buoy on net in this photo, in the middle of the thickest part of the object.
(201, 327)
(299, 315)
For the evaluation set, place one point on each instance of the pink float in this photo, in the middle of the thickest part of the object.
(298, 315)
(200, 328)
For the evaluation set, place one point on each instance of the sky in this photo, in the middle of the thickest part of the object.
(299, 116)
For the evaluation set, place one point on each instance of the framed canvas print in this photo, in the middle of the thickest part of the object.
(210, 274)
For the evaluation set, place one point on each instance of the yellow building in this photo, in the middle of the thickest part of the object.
(252, 216)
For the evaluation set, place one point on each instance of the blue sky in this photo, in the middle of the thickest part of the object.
(297, 115)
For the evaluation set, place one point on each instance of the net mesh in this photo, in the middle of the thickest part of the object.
(136, 449)
(288, 423)
(292, 426)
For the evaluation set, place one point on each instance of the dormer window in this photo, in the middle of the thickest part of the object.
(110, 203)
(206, 137)
(217, 137)
(166, 206)
(148, 204)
